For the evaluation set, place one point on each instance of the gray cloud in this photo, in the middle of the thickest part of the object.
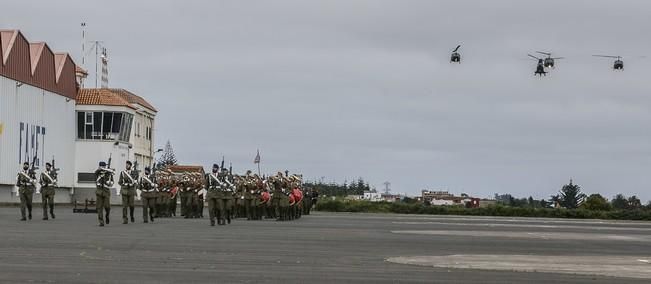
(363, 88)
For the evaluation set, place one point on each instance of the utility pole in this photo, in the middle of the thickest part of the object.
(387, 188)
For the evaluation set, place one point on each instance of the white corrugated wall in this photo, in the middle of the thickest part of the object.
(35, 109)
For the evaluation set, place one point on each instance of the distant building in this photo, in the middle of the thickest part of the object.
(372, 196)
(111, 123)
(428, 195)
(446, 198)
(391, 197)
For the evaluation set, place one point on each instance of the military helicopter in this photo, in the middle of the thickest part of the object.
(549, 60)
(619, 63)
(455, 57)
(540, 68)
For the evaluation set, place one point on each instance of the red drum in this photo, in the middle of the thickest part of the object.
(265, 196)
(298, 195)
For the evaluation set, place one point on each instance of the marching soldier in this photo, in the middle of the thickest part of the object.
(163, 197)
(149, 195)
(181, 193)
(186, 197)
(227, 196)
(250, 186)
(48, 183)
(214, 192)
(201, 197)
(193, 199)
(26, 183)
(307, 201)
(279, 200)
(174, 192)
(103, 192)
(128, 182)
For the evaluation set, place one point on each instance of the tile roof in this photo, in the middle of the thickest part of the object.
(111, 97)
(184, 168)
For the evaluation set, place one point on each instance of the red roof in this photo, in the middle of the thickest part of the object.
(36, 64)
(112, 97)
(184, 168)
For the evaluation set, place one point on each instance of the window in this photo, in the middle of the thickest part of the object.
(107, 126)
(80, 124)
(86, 177)
(104, 126)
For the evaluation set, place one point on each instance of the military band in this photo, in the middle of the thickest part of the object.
(228, 196)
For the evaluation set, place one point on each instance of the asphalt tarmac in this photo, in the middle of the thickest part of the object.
(323, 248)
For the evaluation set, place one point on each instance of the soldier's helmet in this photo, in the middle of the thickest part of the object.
(102, 164)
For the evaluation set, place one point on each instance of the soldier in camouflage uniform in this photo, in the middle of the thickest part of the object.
(128, 181)
(103, 192)
(26, 183)
(149, 195)
(48, 183)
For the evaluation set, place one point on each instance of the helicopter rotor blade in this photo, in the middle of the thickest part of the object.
(533, 57)
(545, 53)
(455, 50)
(607, 56)
(558, 58)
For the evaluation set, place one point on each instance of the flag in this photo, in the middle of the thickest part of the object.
(257, 158)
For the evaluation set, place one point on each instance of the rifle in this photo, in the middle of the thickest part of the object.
(33, 167)
(135, 168)
(222, 163)
(55, 172)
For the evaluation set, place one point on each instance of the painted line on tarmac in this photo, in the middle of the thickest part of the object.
(379, 216)
(524, 226)
(529, 235)
(611, 266)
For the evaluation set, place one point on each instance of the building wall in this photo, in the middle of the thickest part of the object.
(143, 145)
(47, 119)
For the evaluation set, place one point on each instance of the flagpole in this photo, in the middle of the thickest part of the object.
(257, 161)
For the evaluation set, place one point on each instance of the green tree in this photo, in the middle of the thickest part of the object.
(596, 202)
(571, 196)
(619, 202)
(532, 203)
(634, 203)
(168, 157)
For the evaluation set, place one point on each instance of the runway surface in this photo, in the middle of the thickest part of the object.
(323, 248)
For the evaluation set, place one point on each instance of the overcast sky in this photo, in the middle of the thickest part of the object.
(342, 89)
